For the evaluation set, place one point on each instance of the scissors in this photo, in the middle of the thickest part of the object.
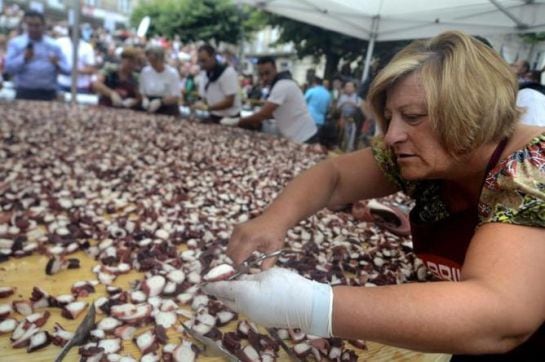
(81, 333)
(216, 349)
(253, 261)
(211, 346)
(244, 268)
(274, 334)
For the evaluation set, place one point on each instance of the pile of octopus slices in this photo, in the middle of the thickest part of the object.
(132, 208)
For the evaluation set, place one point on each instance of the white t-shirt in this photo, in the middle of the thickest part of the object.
(533, 102)
(225, 85)
(291, 115)
(164, 84)
(86, 58)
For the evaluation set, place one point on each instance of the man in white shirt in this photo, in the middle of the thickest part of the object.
(86, 64)
(521, 67)
(533, 104)
(285, 103)
(531, 98)
(219, 86)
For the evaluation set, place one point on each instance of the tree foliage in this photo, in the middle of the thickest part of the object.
(310, 40)
(533, 38)
(192, 20)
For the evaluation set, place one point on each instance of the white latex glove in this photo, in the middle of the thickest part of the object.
(129, 102)
(145, 103)
(116, 99)
(154, 105)
(279, 298)
(230, 121)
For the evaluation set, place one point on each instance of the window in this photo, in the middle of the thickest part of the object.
(94, 3)
(124, 6)
(57, 4)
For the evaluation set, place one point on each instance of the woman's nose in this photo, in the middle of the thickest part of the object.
(395, 133)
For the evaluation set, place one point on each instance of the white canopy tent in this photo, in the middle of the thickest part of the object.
(386, 20)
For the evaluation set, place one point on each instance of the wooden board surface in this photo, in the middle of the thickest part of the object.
(95, 139)
(25, 273)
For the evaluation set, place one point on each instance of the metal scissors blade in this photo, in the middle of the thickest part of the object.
(274, 334)
(210, 345)
(81, 333)
(253, 261)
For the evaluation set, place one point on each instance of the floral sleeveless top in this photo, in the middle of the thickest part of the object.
(513, 191)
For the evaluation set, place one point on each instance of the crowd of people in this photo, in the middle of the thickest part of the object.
(158, 75)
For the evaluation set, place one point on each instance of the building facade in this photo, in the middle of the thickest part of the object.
(110, 14)
(285, 54)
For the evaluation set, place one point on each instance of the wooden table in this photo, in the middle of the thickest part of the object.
(25, 273)
(93, 137)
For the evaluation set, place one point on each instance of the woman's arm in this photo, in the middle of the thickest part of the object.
(168, 100)
(255, 119)
(225, 103)
(498, 304)
(331, 183)
(100, 88)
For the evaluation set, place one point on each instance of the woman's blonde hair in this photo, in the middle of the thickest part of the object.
(130, 53)
(470, 91)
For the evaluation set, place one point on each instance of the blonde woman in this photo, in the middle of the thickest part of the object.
(454, 143)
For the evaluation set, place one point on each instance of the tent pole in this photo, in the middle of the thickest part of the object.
(242, 35)
(520, 25)
(75, 49)
(370, 48)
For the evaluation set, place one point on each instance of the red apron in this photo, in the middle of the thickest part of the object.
(442, 246)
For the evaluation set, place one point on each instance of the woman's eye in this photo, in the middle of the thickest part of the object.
(413, 117)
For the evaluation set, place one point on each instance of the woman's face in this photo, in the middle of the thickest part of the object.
(129, 64)
(410, 134)
(155, 62)
(349, 88)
